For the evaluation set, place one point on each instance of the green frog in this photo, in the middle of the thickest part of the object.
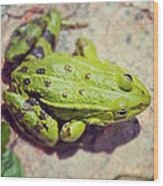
(80, 88)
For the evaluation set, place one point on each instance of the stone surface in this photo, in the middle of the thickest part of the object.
(122, 32)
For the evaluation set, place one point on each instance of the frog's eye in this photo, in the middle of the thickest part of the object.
(121, 112)
(128, 77)
(125, 82)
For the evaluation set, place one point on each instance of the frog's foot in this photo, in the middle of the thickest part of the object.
(72, 131)
(86, 48)
(31, 119)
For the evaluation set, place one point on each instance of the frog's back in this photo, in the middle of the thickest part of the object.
(65, 80)
(72, 83)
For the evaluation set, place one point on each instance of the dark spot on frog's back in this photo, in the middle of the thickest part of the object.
(26, 81)
(50, 38)
(88, 76)
(81, 91)
(64, 94)
(38, 52)
(40, 71)
(47, 83)
(68, 68)
(23, 69)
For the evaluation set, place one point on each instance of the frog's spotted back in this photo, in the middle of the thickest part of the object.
(67, 82)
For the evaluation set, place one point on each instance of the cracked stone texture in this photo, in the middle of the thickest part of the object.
(122, 32)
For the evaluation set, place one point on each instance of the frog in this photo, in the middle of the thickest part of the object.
(80, 89)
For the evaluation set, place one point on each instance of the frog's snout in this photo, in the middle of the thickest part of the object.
(146, 99)
(140, 103)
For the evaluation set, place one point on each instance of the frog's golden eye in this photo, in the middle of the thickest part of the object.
(128, 77)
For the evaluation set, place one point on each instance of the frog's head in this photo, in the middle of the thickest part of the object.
(131, 96)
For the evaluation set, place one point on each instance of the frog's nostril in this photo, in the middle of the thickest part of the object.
(145, 102)
(143, 93)
(146, 97)
(148, 101)
(141, 106)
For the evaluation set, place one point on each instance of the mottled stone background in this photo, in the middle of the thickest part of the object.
(122, 32)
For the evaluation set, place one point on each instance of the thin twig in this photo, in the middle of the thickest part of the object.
(34, 10)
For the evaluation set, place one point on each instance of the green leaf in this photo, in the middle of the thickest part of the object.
(10, 165)
(5, 133)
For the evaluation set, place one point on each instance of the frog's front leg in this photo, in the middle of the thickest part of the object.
(30, 117)
(86, 48)
(73, 130)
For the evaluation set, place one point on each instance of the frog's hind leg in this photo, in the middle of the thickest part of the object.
(47, 41)
(73, 130)
(36, 37)
(86, 48)
(30, 117)
(22, 41)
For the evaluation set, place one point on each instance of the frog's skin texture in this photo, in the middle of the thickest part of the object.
(80, 89)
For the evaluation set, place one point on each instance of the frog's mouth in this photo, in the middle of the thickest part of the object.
(143, 101)
(133, 111)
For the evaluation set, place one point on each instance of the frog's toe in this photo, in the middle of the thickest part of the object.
(72, 131)
(86, 48)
